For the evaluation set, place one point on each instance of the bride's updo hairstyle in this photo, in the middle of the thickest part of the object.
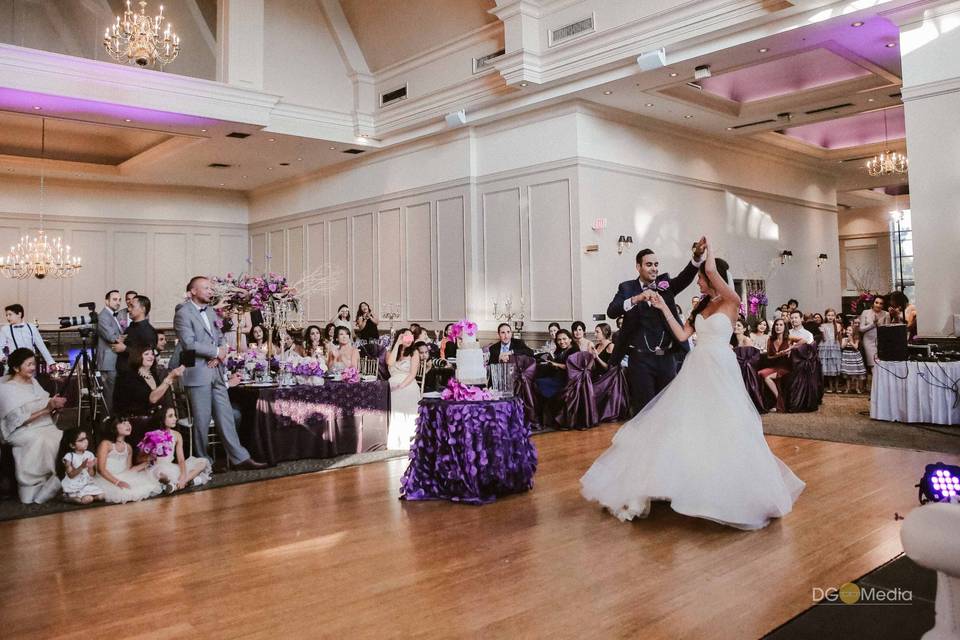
(722, 269)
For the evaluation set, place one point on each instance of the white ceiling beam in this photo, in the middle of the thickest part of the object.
(343, 35)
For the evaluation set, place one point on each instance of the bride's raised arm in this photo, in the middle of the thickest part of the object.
(717, 281)
(682, 333)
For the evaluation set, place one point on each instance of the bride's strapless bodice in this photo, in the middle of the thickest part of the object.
(713, 330)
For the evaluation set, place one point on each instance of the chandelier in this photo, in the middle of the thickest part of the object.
(137, 39)
(39, 256)
(887, 162)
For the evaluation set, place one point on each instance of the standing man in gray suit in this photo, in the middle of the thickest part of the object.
(111, 323)
(197, 330)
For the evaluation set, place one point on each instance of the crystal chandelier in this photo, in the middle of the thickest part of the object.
(137, 39)
(887, 162)
(39, 256)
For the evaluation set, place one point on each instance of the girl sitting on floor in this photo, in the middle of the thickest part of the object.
(81, 465)
(174, 470)
(120, 479)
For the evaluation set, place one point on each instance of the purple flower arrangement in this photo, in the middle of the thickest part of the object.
(755, 300)
(351, 375)
(306, 368)
(864, 300)
(248, 291)
(157, 444)
(456, 390)
(463, 327)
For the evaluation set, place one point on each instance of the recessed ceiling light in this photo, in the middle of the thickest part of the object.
(243, 176)
(687, 117)
(203, 130)
(857, 24)
(269, 168)
(890, 45)
(221, 184)
(674, 74)
(870, 99)
(333, 148)
(300, 159)
(649, 104)
(606, 93)
(763, 50)
(37, 108)
(126, 119)
(271, 139)
(523, 84)
(729, 128)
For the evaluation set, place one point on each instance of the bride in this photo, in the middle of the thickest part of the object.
(699, 444)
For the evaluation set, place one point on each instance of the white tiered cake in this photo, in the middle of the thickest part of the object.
(470, 367)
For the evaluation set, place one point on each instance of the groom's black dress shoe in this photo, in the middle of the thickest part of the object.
(250, 465)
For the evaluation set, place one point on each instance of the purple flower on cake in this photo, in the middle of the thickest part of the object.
(456, 390)
(463, 327)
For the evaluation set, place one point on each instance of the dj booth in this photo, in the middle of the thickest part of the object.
(923, 388)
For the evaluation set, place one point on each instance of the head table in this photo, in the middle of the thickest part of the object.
(312, 421)
(470, 451)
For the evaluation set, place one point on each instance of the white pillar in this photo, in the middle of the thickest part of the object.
(240, 40)
(930, 54)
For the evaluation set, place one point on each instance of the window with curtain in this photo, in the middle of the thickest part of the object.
(901, 250)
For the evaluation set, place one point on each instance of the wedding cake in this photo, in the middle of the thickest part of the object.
(470, 367)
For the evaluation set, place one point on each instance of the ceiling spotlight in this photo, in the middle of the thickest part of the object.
(763, 50)
(674, 74)
(523, 84)
(649, 104)
(269, 168)
(271, 139)
(221, 184)
(890, 45)
(203, 130)
(333, 148)
(37, 108)
(687, 117)
(243, 176)
(300, 159)
(729, 128)
(870, 99)
(856, 24)
(126, 119)
(607, 93)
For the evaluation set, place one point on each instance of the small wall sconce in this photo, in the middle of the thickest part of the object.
(821, 259)
(623, 242)
(785, 255)
(599, 224)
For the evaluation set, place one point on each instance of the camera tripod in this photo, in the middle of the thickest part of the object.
(89, 388)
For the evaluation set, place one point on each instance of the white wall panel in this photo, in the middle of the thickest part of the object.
(295, 254)
(258, 253)
(451, 265)
(47, 297)
(205, 257)
(234, 252)
(92, 281)
(502, 244)
(419, 262)
(390, 257)
(170, 264)
(338, 244)
(364, 259)
(277, 262)
(130, 267)
(551, 266)
(10, 289)
(318, 303)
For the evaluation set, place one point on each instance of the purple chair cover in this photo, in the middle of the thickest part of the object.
(470, 452)
(805, 382)
(384, 370)
(372, 350)
(613, 399)
(749, 359)
(579, 405)
(526, 390)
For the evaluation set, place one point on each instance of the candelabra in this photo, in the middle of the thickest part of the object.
(507, 314)
(391, 312)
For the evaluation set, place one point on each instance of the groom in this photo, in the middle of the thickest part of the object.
(645, 336)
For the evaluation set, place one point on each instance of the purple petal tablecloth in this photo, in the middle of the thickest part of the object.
(306, 421)
(470, 452)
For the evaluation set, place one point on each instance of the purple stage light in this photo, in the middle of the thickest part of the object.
(940, 483)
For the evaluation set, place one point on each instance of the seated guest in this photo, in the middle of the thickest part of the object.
(137, 392)
(419, 335)
(330, 334)
(257, 339)
(550, 345)
(138, 334)
(289, 343)
(778, 355)
(579, 331)
(619, 326)
(366, 325)
(817, 318)
(798, 335)
(740, 338)
(792, 304)
(448, 347)
(758, 334)
(403, 361)
(27, 423)
(552, 375)
(343, 317)
(604, 347)
(344, 355)
(507, 345)
(314, 346)
(19, 334)
(121, 480)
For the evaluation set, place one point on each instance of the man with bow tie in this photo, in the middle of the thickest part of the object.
(645, 336)
(112, 321)
(19, 334)
(206, 382)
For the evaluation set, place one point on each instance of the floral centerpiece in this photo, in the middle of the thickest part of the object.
(456, 390)
(755, 300)
(156, 444)
(252, 363)
(307, 370)
(863, 301)
(351, 375)
(462, 328)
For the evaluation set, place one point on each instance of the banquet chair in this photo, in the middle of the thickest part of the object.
(422, 374)
(804, 384)
(612, 395)
(525, 389)
(749, 360)
(181, 402)
(369, 366)
(579, 409)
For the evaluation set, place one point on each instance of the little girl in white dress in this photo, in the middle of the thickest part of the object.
(120, 479)
(80, 464)
(185, 471)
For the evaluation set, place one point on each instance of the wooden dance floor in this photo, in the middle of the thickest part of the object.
(336, 554)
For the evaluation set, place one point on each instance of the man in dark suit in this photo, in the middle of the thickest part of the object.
(645, 336)
(507, 346)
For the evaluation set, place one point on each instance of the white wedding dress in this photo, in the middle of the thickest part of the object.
(699, 445)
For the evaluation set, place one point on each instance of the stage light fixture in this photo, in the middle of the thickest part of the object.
(940, 483)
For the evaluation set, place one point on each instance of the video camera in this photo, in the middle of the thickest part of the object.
(86, 324)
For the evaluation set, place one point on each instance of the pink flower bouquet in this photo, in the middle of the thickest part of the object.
(463, 327)
(351, 375)
(456, 390)
(156, 444)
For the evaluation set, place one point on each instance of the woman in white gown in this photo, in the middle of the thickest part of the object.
(403, 362)
(699, 444)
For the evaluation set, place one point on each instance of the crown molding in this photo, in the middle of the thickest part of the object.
(930, 89)
(62, 219)
(439, 52)
(313, 122)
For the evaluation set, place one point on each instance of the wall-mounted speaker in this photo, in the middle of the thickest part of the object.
(456, 119)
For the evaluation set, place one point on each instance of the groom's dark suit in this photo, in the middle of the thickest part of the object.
(646, 337)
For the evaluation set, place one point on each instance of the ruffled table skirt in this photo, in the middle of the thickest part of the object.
(915, 392)
(470, 452)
